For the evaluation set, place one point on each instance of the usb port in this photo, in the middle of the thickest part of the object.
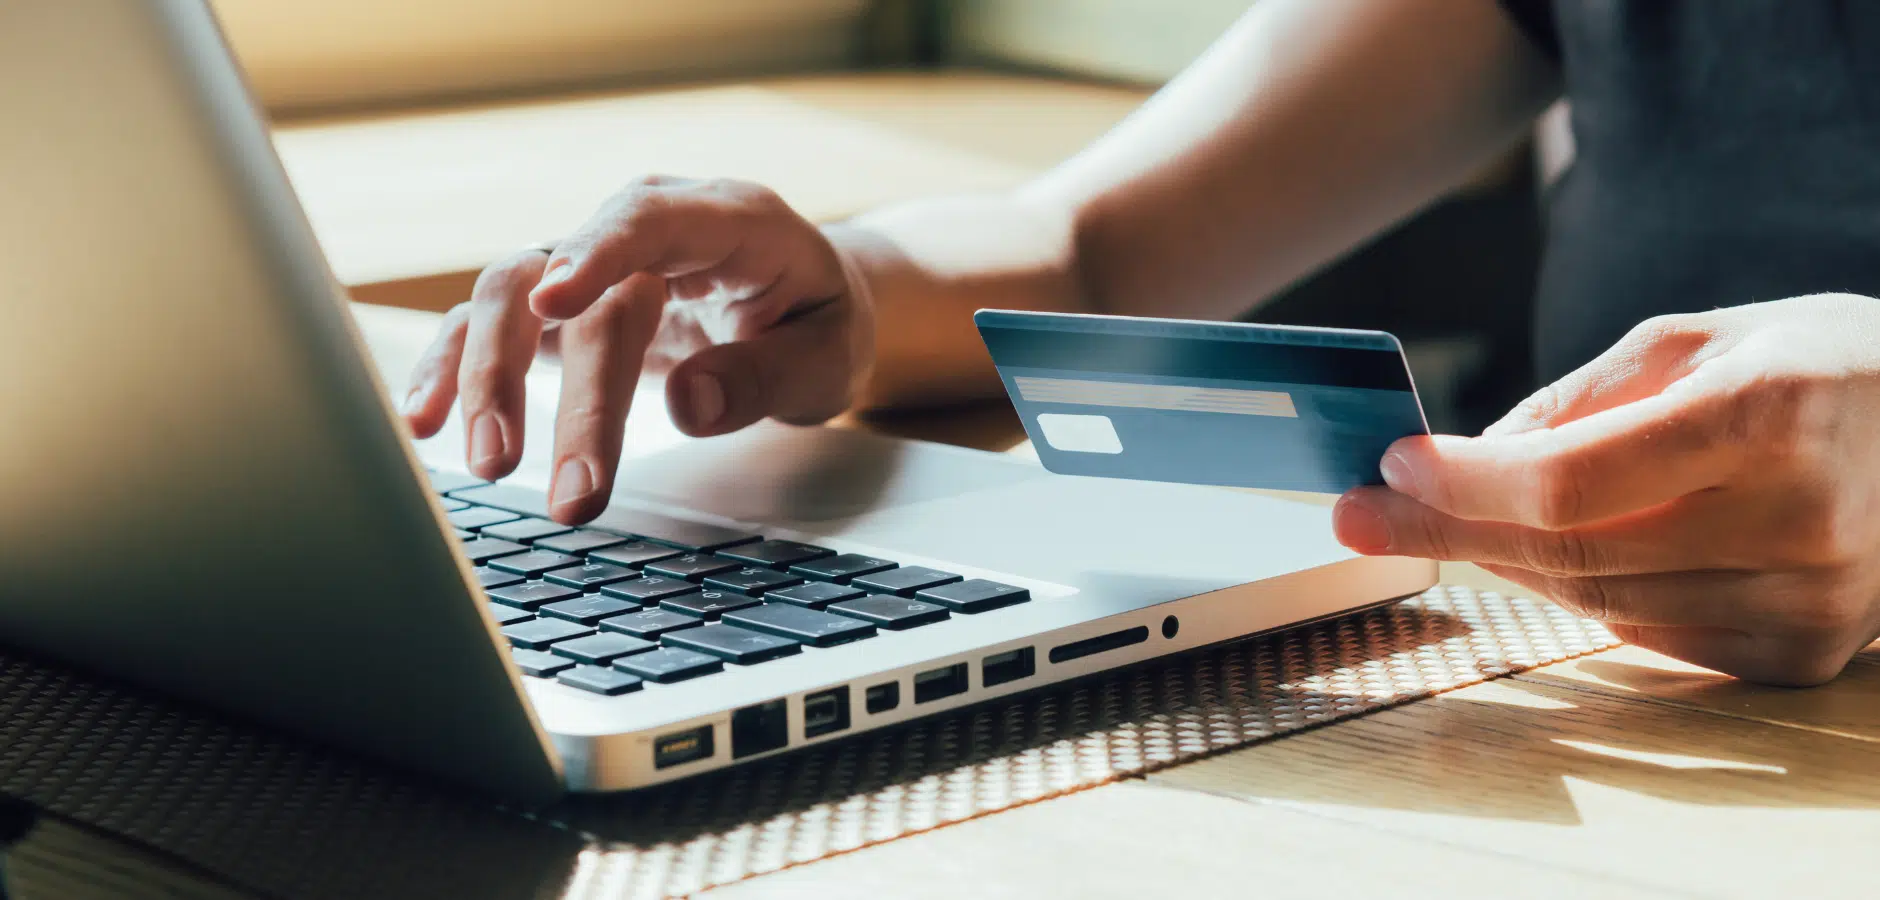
(938, 683)
(1011, 665)
(682, 746)
(760, 729)
(825, 711)
(883, 697)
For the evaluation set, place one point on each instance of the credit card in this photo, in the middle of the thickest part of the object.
(1220, 403)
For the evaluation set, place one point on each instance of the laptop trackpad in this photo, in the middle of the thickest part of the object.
(776, 474)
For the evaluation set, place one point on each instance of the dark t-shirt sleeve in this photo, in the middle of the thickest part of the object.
(1536, 18)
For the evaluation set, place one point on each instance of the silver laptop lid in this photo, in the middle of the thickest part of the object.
(202, 488)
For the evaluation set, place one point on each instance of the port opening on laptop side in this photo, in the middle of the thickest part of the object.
(936, 684)
(1009, 666)
(825, 712)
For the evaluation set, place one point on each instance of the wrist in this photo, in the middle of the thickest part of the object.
(845, 242)
(854, 276)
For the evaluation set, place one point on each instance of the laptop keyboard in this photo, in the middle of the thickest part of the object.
(638, 598)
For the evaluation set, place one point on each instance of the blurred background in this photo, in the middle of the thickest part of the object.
(428, 137)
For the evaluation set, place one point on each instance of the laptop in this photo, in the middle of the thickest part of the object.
(205, 492)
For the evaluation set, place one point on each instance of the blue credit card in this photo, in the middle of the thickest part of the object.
(1261, 406)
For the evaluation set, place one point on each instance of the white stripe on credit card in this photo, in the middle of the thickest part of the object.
(1174, 397)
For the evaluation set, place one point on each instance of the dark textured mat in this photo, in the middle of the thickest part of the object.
(282, 818)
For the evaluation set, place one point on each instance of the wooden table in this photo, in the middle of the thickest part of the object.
(1619, 774)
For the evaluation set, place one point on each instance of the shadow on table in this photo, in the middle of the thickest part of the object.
(43, 857)
(1511, 750)
(485, 855)
(1849, 705)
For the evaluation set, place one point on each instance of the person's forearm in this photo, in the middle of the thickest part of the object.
(1310, 126)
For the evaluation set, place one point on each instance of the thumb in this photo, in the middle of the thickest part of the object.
(1642, 364)
(800, 372)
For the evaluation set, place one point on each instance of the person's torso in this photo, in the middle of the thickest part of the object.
(1726, 153)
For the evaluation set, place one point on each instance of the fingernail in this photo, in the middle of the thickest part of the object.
(708, 399)
(558, 272)
(413, 400)
(1360, 527)
(573, 482)
(486, 440)
(1397, 473)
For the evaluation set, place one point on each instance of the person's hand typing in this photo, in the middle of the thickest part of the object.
(1709, 488)
(743, 304)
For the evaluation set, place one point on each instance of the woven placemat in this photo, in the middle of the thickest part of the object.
(286, 819)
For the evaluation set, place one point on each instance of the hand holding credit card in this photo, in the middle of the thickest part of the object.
(1219, 403)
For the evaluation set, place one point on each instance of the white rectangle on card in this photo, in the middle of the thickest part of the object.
(1172, 397)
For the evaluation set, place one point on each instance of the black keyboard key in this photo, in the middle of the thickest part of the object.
(588, 609)
(818, 629)
(649, 623)
(601, 681)
(540, 633)
(525, 531)
(531, 595)
(541, 663)
(815, 594)
(445, 482)
(591, 575)
(534, 562)
(509, 615)
(451, 506)
(495, 578)
(649, 590)
(780, 554)
(842, 567)
(707, 604)
(483, 550)
(476, 517)
(601, 649)
(633, 554)
(976, 595)
(891, 612)
(904, 580)
(731, 644)
(617, 519)
(691, 567)
(755, 581)
(669, 664)
(579, 542)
